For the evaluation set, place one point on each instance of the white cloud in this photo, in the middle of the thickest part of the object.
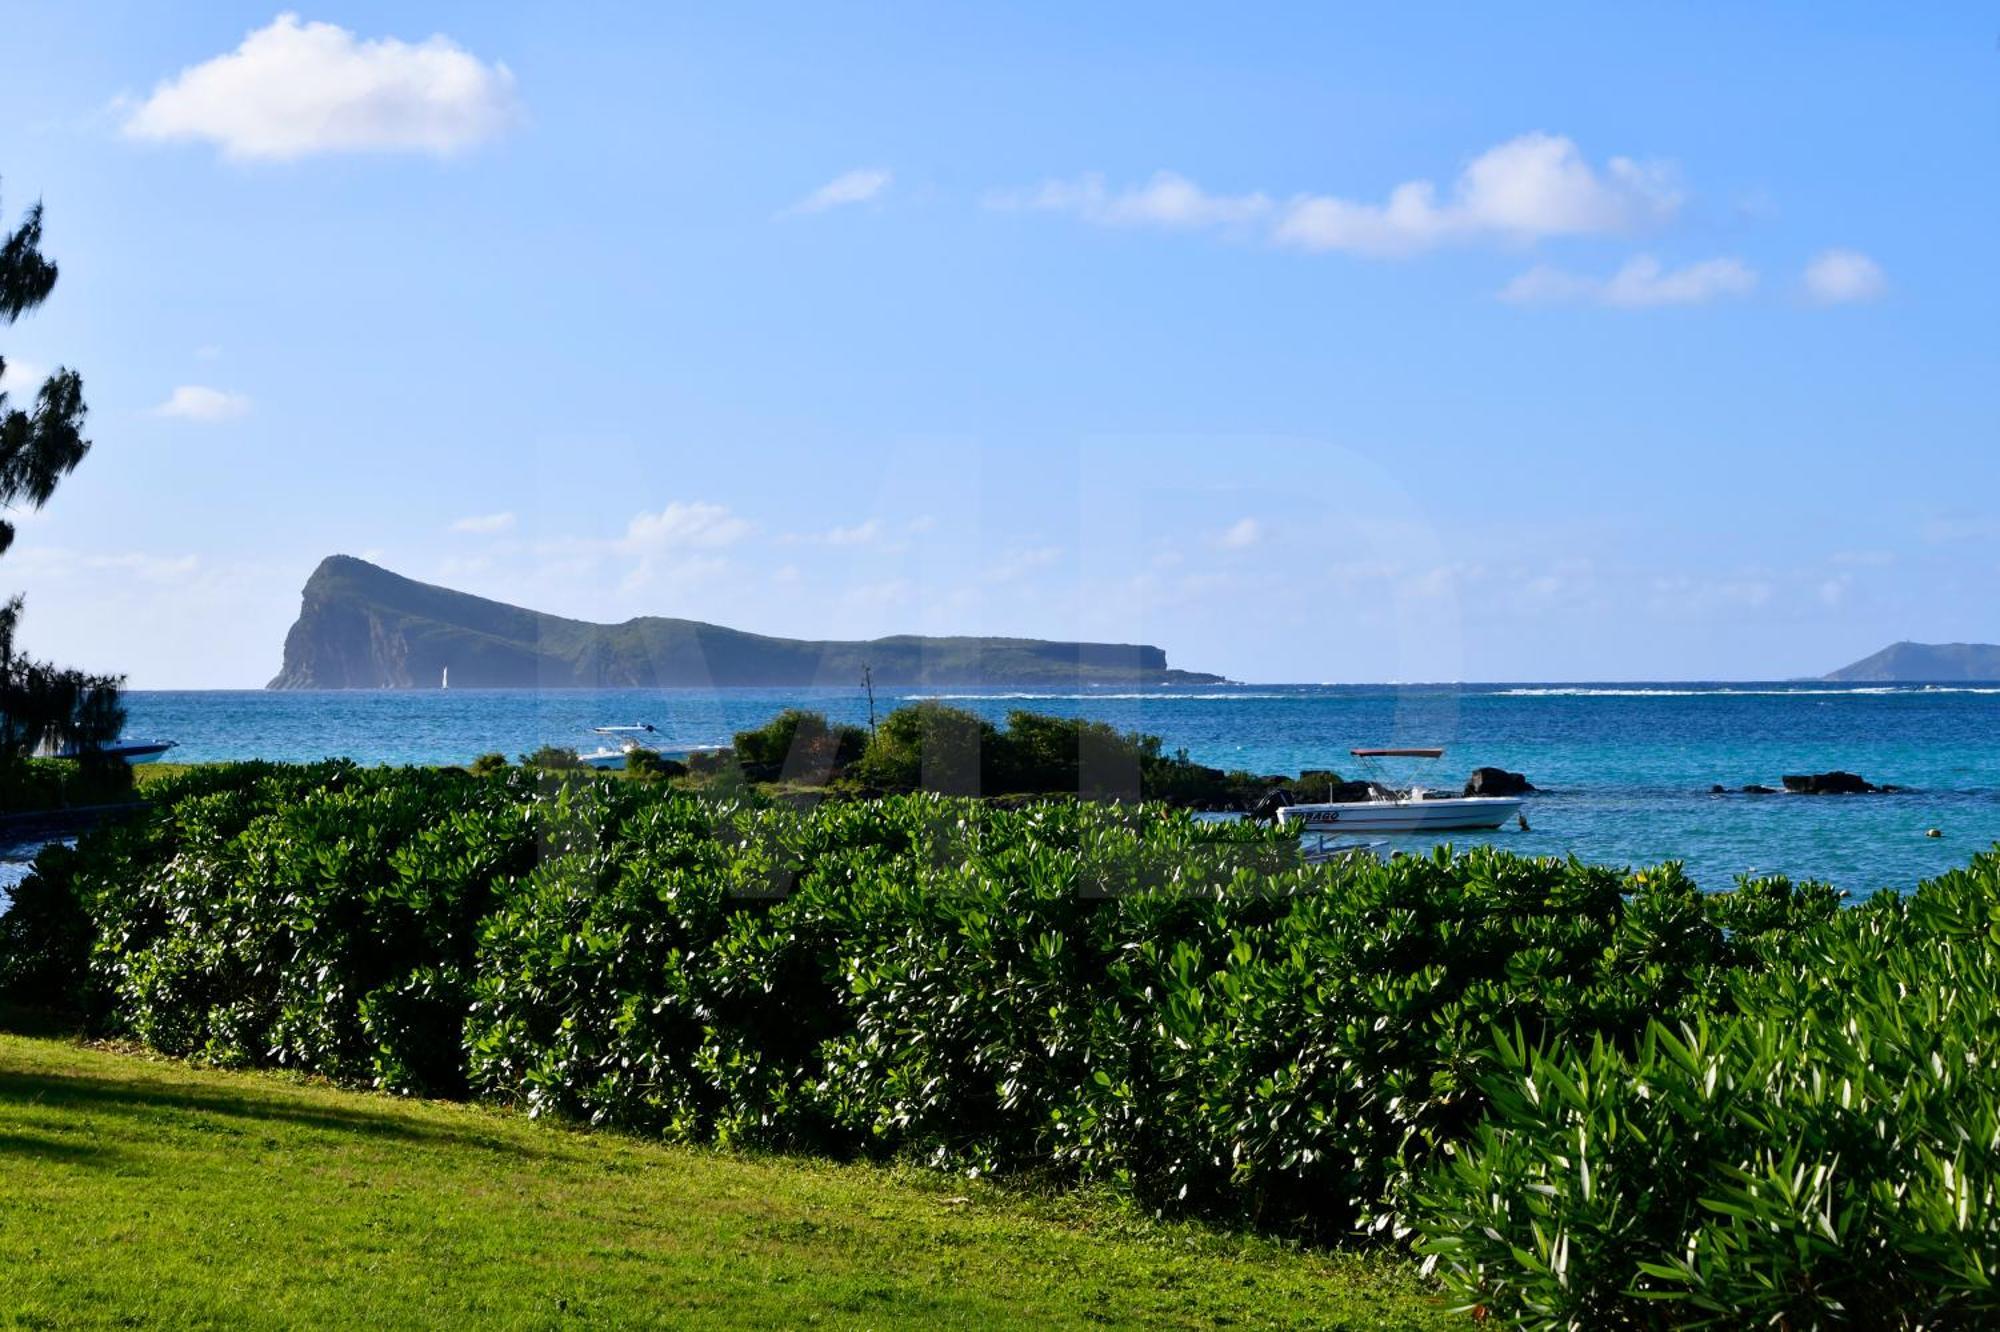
(294, 88)
(22, 379)
(850, 187)
(1019, 563)
(485, 524)
(679, 576)
(694, 525)
(197, 402)
(1844, 277)
(1242, 534)
(1686, 594)
(1950, 528)
(1167, 200)
(871, 533)
(859, 534)
(1643, 281)
(145, 566)
(1530, 187)
(874, 597)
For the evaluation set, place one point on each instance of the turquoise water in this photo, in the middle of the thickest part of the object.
(1624, 769)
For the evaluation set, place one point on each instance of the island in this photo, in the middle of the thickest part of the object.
(363, 627)
(1923, 663)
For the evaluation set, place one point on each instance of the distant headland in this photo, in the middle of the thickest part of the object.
(363, 627)
(1924, 663)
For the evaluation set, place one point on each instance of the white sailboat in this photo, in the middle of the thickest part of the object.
(1410, 811)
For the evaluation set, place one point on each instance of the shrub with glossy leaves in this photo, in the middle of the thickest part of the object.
(799, 746)
(1184, 1010)
(1822, 1149)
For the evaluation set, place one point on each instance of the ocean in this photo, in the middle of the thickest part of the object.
(1624, 769)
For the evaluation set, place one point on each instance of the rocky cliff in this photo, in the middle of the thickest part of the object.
(363, 627)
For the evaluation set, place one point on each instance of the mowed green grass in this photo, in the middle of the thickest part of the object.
(142, 1192)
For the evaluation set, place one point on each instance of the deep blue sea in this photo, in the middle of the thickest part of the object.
(1624, 769)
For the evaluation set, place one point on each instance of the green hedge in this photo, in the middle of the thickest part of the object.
(1819, 1148)
(36, 784)
(1595, 1098)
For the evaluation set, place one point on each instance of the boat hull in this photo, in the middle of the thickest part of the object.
(1457, 814)
(136, 751)
(142, 753)
(615, 758)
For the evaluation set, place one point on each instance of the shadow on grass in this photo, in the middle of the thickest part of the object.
(22, 1020)
(251, 1105)
(56, 1151)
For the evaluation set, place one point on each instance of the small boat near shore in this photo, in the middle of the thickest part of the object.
(132, 751)
(1406, 811)
(619, 742)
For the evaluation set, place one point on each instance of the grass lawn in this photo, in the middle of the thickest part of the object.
(142, 1192)
(145, 774)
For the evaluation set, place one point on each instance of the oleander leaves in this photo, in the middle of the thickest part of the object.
(1592, 1097)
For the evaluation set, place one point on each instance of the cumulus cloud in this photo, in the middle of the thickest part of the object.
(1240, 535)
(1167, 200)
(1844, 277)
(198, 402)
(860, 534)
(1643, 281)
(1530, 187)
(850, 187)
(686, 526)
(485, 524)
(294, 89)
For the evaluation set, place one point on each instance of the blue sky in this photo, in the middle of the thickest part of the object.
(1441, 343)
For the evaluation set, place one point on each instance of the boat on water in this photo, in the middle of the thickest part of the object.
(1413, 810)
(618, 743)
(132, 751)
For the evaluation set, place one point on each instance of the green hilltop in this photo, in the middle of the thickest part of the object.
(1924, 663)
(363, 627)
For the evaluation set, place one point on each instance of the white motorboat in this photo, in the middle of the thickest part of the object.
(618, 743)
(1409, 811)
(132, 751)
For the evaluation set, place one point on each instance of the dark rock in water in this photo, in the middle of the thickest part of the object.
(1829, 783)
(1756, 789)
(1718, 789)
(1497, 782)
